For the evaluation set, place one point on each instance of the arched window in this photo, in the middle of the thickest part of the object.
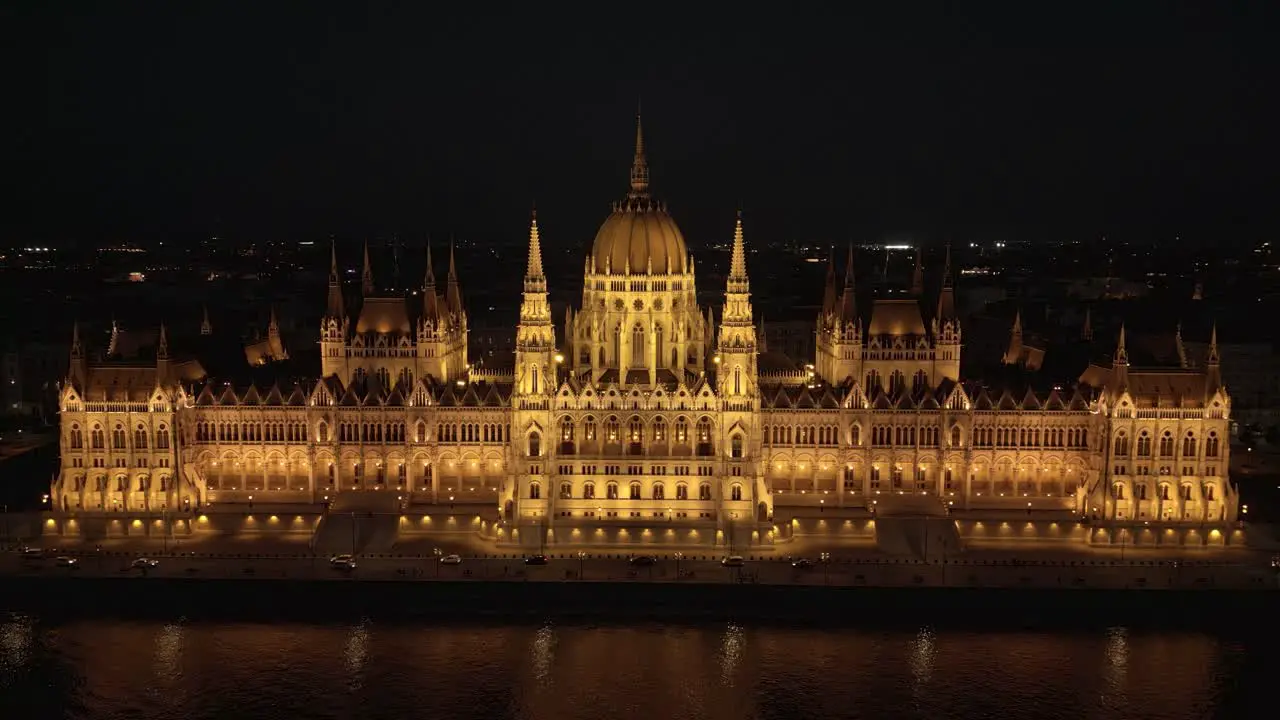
(897, 382)
(873, 381)
(162, 438)
(1118, 491)
(1211, 445)
(855, 435)
(566, 429)
(737, 381)
(140, 438)
(635, 431)
(1166, 444)
(659, 491)
(117, 438)
(611, 491)
(533, 373)
(535, 491)
(1144, 444)
(635, 491)
(406, 378)
(955, 436)
(322, 431)
(1122, 444)
(920, 382)
(566, 490)
(1189, 445)
(682, 430)
(420, 432)
(735, 492)
(77, 438)
(659, 430)
(735, 446)
(384, 377)
(611, 429)
(704, 491)
(589, 491)
(589, 429)
(535, 444)
(682, 492)
(637, 345)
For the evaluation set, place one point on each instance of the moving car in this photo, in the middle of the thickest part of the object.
(451, 560)
(536, 560)
(643, 560)
(32, 553)
(67, 562)
(341, 559)
(144, 563)
(802, 563)
(732, 561)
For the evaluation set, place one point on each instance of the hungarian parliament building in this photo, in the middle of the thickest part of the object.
(645, 408)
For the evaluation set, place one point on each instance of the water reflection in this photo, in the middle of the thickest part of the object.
(544, 645)
(731, 652)
(16, 632)
(201, 671)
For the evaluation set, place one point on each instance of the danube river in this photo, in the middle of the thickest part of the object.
(139, 670)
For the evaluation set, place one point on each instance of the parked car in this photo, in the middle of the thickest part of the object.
(536, 560)
(733, 561)
(451, 560)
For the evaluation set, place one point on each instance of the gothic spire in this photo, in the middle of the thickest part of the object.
(829, 289)
(1086, 331)
(206, 327)
(453, 297)
(738, 259)
(162, 347)
(335, 307)
(77, 351)
(430, 301)
(848, 300)
(917, 277)
(639, 166)
(534, 268)
(1122, 355)
(946, 298)
(366, 277)
(1213, 346)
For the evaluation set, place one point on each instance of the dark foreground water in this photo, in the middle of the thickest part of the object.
(190, 670)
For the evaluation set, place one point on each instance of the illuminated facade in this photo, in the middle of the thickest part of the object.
(646, 413)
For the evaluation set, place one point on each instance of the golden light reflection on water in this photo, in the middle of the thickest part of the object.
(680, 672)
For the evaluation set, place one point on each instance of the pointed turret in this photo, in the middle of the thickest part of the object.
(1122, 354)
(1016, 331)
(1212, 364)
(162, 347)
(430, 300)
(639, 165)
(1213, 347)
(273, 325)
(1013, 355)
(335, 309)
(1086, 330)
(77, 369)
(536, 363)
(1120, 363)
(917, 277)
(848, 301)
(1181, 349)
(366, 275)
(947, 297)
(829, 289)
(761, 344)
(736, 344)
(206, 327)
(454, 297)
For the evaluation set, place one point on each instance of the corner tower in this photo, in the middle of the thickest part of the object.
(535, 362)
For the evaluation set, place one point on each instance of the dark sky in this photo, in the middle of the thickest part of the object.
(297, 119)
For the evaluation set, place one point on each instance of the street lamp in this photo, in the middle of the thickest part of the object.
(825, 557)
(438, 553)
(679, 557)
(581, 556)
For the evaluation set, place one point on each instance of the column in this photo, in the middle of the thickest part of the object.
(311, 478)
(651, 354)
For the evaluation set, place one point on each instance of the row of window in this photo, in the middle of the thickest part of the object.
(119, 438)
(122, 484)
(636, 431)
(891, 435)
(657, 492)
(1187, 470)
(1164, 492)
(1143, 446)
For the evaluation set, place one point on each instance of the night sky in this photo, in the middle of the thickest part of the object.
(291, 121)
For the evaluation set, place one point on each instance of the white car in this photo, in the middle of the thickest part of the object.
(67, 562)
(337, 560)
(144, 563)
(732, 561)
(451, 560)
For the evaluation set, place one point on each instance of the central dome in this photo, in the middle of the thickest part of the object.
(639, 237)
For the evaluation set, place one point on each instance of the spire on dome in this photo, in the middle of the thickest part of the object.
(366, 277)
(639, 166)
(77, 351)
(333, 261)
